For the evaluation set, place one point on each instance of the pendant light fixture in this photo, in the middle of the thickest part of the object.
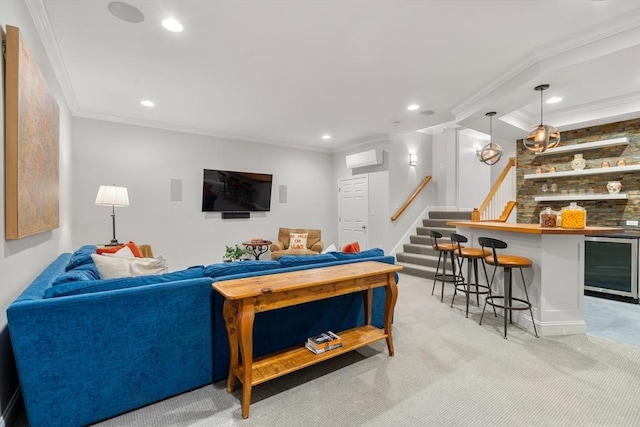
(541, 137)
(492, 152)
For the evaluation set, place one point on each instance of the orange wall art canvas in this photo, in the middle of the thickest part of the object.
(31, 144)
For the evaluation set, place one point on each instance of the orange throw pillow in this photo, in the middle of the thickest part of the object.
(113, 249)
(351, 248)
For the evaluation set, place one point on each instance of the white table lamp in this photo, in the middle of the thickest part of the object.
(110, 195)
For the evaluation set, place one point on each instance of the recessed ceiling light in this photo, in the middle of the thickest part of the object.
(554, 100)
(413, 107)
(427, 112)
(326, 136)
(172, 25)
(147, 103)
(126, 12)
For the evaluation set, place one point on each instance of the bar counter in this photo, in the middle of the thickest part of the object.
(555, 281)
(534, 228)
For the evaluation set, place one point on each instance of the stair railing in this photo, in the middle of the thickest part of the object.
(500, 201)
(411, 198)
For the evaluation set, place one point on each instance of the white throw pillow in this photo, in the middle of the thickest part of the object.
(111, 267)
(298, 240)
(330, 248)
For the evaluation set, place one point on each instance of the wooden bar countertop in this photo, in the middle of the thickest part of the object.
(534, 228)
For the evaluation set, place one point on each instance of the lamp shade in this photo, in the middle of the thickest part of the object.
(491, 153)
(110, 195)
(542, 137)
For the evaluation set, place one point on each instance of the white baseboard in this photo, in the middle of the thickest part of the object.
(546, 329)
(11, 412)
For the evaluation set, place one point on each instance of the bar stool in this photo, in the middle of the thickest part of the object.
(444, 250)
(472, 255)
(507, 262)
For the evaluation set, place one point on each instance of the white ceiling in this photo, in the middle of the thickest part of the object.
(286, 72)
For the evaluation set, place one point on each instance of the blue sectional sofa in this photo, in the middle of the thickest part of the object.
(88, 349)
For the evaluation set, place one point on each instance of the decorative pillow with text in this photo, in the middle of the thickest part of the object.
(298, 240)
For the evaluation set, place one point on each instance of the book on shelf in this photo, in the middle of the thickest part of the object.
(324, 340)
(322, 349)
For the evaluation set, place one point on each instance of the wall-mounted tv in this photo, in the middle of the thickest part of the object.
(230, 191)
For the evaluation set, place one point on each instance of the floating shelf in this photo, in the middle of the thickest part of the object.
(586, 146)
(583, 172)
(617, 196)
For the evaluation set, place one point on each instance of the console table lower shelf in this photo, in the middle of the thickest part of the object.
(245, 297)
(291, 360)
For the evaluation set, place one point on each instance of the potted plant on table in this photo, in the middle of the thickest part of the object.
(233, 253)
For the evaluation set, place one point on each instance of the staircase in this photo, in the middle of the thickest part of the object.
(418, 258)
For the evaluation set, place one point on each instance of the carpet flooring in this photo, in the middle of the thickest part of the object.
(447, 371)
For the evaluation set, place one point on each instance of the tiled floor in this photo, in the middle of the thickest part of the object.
(613, 320)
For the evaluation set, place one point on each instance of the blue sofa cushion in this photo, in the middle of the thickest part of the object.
(295, 260)
(239, 267)
(77, 275)
(369, 253)
(87, 287)
(81, 256)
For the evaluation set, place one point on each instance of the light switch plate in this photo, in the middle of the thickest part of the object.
(632, 222)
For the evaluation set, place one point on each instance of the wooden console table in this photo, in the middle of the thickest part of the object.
(245, 297)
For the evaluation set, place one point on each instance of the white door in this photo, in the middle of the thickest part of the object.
(353, 208)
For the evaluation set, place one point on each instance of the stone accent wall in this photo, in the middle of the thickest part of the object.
(599, 212)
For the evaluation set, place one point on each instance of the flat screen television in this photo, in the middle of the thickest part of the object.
(231, 191)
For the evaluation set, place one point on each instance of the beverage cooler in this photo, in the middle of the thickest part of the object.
(611, 265)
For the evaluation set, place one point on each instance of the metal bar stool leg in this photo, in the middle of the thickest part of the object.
(529, 302)
(490, 284)
(459, 278)
(444, 273)
(435, 278)
(507, 299)
(468, 286)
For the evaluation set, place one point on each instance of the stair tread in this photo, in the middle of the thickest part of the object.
(416, 266)
(414, 259)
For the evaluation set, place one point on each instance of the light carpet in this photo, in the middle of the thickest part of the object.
(447, 371)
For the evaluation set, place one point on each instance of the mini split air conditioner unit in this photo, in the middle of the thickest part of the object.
(366, 158)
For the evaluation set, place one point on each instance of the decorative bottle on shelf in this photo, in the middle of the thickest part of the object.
(614, 187)
(574, 216)
(578, 162)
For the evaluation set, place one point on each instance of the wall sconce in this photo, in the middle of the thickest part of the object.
(413, 159)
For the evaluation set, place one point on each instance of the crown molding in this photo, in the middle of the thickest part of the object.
(622, 25)
(572, 117)
(363, 143)
(40, 16)
(193, 131)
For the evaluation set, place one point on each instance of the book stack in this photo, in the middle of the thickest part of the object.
(324, 342)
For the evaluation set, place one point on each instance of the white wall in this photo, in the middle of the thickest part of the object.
(145, 160)
(391, 184)
(508, 151)
(444, 169)
(22, 260)
(405, 179)
(474, 177)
